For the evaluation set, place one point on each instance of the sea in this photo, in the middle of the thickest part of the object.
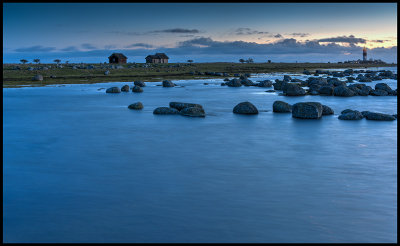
(79, 166)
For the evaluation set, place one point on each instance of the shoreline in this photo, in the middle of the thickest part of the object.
(14, 78)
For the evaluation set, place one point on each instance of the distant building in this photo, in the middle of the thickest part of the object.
(365, 54)
(157, 58)
(117, 58)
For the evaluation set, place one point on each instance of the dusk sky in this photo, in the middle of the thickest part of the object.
(203, 32)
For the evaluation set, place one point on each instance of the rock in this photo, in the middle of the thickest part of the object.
(245, 108)
(281, 107)
(313, 93)
(137, 89)
(326, 90)
(393, 93)
(293, 90)
(223, 84)
(165, 110)
(350, 79)
(107, 72)
(38, 77)
(247, 82)
(270, 91)
(279, 85)
(395, 116)
(306, 72)
(167, 83)
(326, 110)
(125, 88)
(113, 90)
(136, 106)
(343, 91)
(378, 93)
(307, 110)
(383, 87)
(234, 83)
(364, 79)
(193, 112)
(180, 105)
(349, 114)
(139, 83)
(265, 83)
(379, 116)
(287, 78)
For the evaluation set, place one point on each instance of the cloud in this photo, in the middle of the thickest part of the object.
(247, 31)
(88, 46)
(344, 39)
(36, 48)
(278, 36)
(140, 45)
(299, 34)
(70, 48)
(110, 46)
(177, 30)
(125, 33)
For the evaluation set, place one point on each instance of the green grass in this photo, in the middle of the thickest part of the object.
(158, 72)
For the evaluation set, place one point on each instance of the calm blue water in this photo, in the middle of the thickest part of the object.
(79, 166)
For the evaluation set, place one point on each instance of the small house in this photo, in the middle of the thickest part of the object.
(157, 58)
(117, 58)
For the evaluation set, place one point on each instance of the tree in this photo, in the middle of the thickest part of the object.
(241, 60)
(23, 61)
(66, 62)
(190, 61)
(250, 60)
(269, 61)
(36, 61)
(57, 61)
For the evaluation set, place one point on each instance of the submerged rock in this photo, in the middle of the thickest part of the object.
(193, 112)
(234, 83)
(307, 110)
(281, 107)
(137, 89)
(165, 110)
(125, 88)
(379, 116)
(167, 83)
(349, 114)
(343, 91)
(378, 93)
(265, 83)
(326, 110)
(136, 106)
(139, 83)
(180, 105)
(113, 90)
(383, 87)
(245, 108)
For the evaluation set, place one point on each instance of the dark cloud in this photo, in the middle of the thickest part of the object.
(139, 45)
(36, 48)
(278, 36)
(299, 34)
(70, 48)
(177, 30)
(88, 46)
(344, 39)
(125, 33)
(247, 31)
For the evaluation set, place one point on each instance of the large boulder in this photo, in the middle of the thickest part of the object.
(193, 112)
(343, 91)
(265, 83)
(281, 107)
(307, 110)
(168, 83)
(139, 83)
(247, 82)
(326, 90)
(350, 115)
(234, 83)
(180, 105)
(279, 85)
(383, 87)
(136, 106)
(327, 110)
(37, 77)
(379, 116)
(165, 110)
(137, 89)
(293, 90)
(245, 108)
(113, 90)
(378, 93)
(125, 88)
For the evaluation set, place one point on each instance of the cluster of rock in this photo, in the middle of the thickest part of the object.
(302, 110)
(369, 75)
(243, 80)
(349, 114)
(137, 88)
(185, 109)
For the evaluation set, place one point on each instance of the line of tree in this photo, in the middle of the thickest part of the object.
(250, 60)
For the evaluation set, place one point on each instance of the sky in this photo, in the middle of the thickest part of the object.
(203, 32)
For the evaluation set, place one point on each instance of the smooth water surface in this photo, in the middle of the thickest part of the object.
(79, 166)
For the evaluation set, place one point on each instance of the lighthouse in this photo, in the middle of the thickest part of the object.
(365, 54)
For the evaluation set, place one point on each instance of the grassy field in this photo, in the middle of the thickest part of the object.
(13, 77)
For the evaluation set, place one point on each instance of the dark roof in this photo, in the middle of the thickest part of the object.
(119, 55)
(158, 56)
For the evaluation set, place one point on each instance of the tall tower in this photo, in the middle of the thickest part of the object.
(365, 54)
